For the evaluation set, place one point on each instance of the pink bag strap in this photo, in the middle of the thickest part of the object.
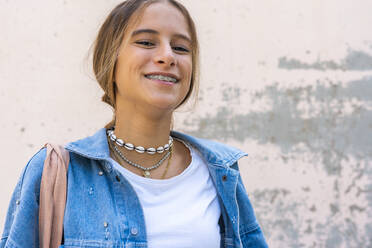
(53, 192)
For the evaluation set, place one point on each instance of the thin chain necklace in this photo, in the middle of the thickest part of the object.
(169, 160)
(146, 170)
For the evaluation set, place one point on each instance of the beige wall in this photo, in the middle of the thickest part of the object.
(290, 82)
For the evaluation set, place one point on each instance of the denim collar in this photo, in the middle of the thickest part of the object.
(96, 147)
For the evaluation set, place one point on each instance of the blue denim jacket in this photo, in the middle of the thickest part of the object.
(103, 210)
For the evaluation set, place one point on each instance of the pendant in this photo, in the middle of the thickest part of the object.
(146, 174)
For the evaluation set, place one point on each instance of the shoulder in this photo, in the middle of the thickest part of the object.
(31, 175)
(36, 162)
(213, 151)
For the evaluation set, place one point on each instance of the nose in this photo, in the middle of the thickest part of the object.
(165, 56)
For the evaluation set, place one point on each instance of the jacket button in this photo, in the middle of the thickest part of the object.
(117, 178)
(17, 202)
(100, 173)
(224, 178)
(134, 231)
(105, 224)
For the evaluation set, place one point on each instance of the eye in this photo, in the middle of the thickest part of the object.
(181, 49)
(145, 43)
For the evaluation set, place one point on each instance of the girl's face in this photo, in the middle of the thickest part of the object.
(154, 64)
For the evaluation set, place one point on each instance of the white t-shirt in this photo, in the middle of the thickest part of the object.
(182, 211)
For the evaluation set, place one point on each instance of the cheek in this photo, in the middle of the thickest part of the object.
(120, 68)
(125, 70)
(187, 73)
(122, 76)
(187, 68)
(130, 61)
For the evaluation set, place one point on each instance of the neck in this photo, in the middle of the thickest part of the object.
(143, 129)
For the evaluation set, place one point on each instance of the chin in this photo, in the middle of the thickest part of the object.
(165, 104)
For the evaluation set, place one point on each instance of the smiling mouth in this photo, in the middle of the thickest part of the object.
(162, 78)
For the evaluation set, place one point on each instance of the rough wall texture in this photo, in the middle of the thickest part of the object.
(290, 82)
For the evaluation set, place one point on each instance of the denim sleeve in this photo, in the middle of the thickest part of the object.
(249, 230)
(21, 224)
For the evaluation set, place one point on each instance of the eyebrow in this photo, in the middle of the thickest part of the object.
(151, 31)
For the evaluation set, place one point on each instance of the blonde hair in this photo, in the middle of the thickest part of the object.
(110, 37)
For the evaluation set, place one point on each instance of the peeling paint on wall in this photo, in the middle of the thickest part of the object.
(340, 134)
(354, 61)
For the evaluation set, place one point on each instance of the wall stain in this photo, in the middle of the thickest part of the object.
(281, 214)
(334, 208)
(335, 238)
(231, 94)
(329, 132)
(354, 61)
(288, 216)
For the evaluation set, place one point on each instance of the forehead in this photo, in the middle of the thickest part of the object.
(162, 16)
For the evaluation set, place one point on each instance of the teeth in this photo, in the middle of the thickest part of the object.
(162, 78)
